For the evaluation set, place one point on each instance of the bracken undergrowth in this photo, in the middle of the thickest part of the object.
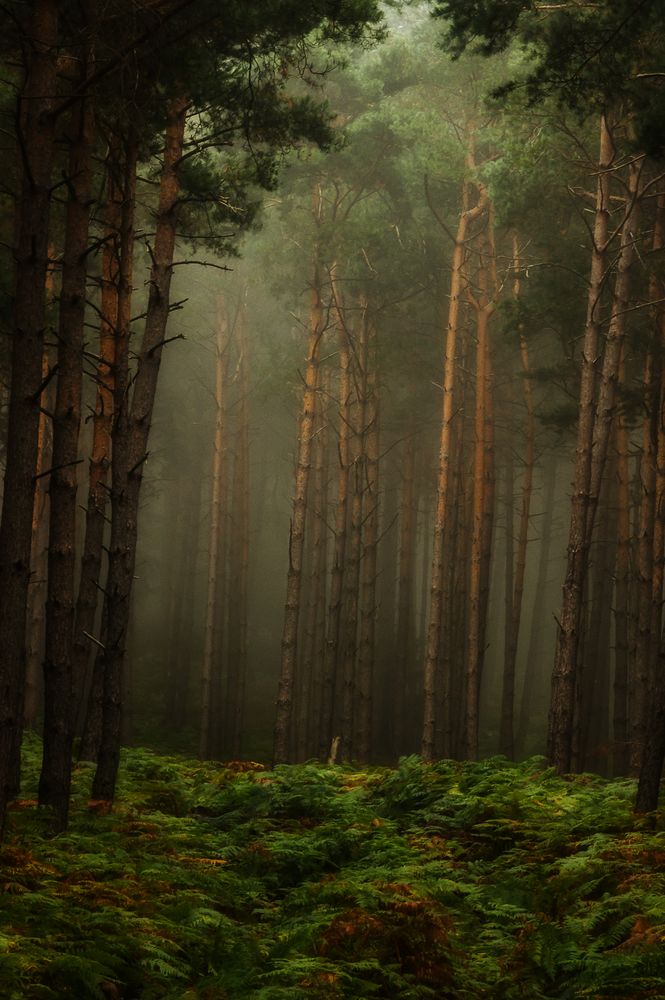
(441, 881)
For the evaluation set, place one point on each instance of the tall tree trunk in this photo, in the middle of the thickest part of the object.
(241, 527)
(91, 560)
(539, 608)
(507, 740)
(564, 676)
(654, 752)
(114, 355)
(329, 680)
(639, 681)
(59, 715)
(433, 641)
(130, 440)
(405, 595)
(36, 98)
(316, 586)
(369, 554)
(475, 641)
(622, 577)
(215, 550)
(297, 529)
(39, 559)
(351, 596)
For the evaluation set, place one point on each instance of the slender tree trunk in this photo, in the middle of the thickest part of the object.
(91, 560)
(507, 740)
(564, 676)
(639, 686)
(316, 581)
(369, 554)
(351, 597)
(622, 576)
(405, 595)
(213, 610)
(476, 630)
(241, 526)
(595, 673)
(59, 715)
(39, 560)
(433, 641)
(114, 358)
(130, 440)
(332, 654)
(531, 675)
(297, 530)
(36, 123)
(654, 752)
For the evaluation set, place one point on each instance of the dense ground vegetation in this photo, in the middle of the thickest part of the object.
(446, 880)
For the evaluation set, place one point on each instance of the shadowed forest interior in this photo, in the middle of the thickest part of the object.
(331, 423)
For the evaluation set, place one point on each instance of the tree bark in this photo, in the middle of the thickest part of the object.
(36, 99)
(433, 640)
(213, 610)
(130, 440)
(351, 595)
(507, 738)
(564, 676)
(59, 714)
(285, 690)
(622, 577)
(329, 680)
(405, 595)
(114, 358)
(369, 553)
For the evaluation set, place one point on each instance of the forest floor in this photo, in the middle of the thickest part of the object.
(450, 880)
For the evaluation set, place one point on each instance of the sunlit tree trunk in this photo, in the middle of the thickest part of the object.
(31, 255)
(564, 676)
(213, 610)
(130, 439)
(287, 675)
(433, 641)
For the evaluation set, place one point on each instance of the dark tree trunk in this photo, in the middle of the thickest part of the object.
(285, 691)
(59, 714)
(36, 123)
(366, 649)
(130, 440)
(114, 358)
(330, 679)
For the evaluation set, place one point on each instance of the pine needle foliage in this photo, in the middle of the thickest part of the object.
(441, 881)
